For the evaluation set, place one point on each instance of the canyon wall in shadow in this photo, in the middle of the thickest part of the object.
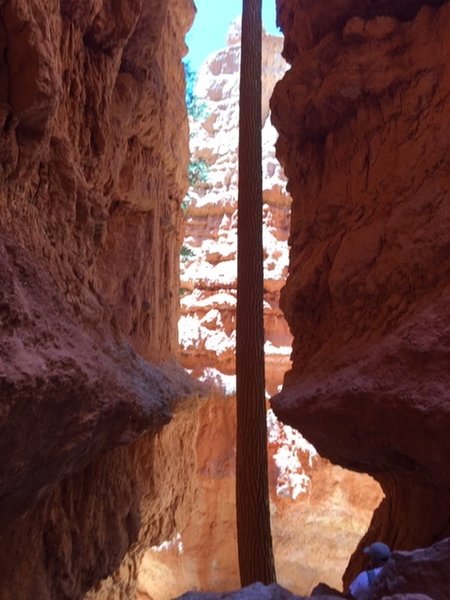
(364, 123)
(94, 154)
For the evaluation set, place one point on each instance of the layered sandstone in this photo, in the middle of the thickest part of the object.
(319, 512)
(364, 123)
(94, 153)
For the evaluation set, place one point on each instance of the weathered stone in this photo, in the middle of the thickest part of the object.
(93, 169)
(419, 572)
(208, 273)
(275, 592)
(364, 123)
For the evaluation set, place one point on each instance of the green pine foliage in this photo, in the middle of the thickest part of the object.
(186, 253)
(195, 109)
(198, 168)
(197, 171)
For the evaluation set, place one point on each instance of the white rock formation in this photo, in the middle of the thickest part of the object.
(208, 275)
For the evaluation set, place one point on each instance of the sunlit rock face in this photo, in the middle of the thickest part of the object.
(94, 151)
(208, 273)
(319, 511)
(364, 123)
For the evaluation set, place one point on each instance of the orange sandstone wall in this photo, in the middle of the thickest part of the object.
(93, 159)
(94, 155)
(364, 123)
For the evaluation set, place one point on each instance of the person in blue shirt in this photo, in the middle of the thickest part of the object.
(378, 554)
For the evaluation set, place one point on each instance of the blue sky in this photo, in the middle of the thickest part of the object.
(212, 23)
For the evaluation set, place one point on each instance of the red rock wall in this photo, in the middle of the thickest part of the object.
(94, 152)
(364, 123)
(94, 155)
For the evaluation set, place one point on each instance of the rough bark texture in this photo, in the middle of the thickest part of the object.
(254, 537)
(94, 151)
(364, 122)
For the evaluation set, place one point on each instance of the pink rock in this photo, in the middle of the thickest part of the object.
(364, 128)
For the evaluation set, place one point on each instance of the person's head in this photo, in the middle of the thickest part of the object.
(378, 553)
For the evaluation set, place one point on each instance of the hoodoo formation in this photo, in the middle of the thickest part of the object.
(99, 449)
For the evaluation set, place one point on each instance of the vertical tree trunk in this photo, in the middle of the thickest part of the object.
(252, 493)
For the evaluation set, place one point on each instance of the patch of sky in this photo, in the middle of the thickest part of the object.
(212, 23)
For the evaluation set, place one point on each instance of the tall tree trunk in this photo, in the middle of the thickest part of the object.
(252, 491)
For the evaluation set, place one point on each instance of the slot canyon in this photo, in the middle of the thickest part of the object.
(118, 294)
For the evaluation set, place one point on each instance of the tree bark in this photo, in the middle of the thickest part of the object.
(252, 492)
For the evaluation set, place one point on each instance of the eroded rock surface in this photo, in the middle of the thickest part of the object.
(275, 592)
(422, 571)
(319, 511)
(209, 271)
(364, 123)
(93, 160)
